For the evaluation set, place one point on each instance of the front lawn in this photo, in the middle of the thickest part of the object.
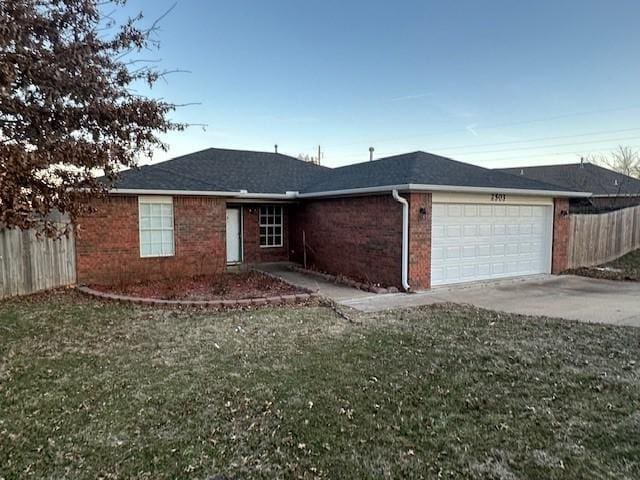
(626, 267)
(99, 390)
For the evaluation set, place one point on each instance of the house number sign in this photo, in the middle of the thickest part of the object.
(498, 197)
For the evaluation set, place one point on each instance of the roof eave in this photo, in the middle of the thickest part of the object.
(609, 195)
(204, 193)
(443, 188)
(414, 187)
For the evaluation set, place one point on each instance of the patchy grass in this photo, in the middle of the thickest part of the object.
(94, 390)
(626, 268)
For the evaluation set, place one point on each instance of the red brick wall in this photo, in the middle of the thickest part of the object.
(108, 249)
(419, 240)
(359, 237)
(253, 253)
(560, 260)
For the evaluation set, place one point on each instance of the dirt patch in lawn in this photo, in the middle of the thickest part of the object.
(227, 286)
(625, 268)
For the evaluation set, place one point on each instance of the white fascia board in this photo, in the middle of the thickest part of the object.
(512, 191)
(613, 195)
(275, 196)
(414, 187)
(204, 193)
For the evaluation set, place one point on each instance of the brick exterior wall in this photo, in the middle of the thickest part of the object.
(359, 237)
(419, 240)
(108, 249)
(252, 252)
(560, 259)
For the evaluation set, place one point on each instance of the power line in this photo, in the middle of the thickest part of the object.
(488, 127)
(535, 147)
(539, 139)
(549, 154)
(390, 154)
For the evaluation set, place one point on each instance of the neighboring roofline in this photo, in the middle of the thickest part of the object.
(415, 187)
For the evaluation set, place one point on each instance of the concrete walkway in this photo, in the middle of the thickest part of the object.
(338, 293)
(565, 296)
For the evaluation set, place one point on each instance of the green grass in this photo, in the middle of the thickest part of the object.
(627, 266)
(91, 390)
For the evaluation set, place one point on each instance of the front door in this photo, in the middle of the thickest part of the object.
(234, 236)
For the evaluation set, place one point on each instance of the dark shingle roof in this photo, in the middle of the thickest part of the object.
(420, 168)
(224, 170)
(586, 177)
(261, 172)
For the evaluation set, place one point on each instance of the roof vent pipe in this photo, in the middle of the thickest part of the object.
(581, 162)
(405, 239)
(276, 147)
(371, 149)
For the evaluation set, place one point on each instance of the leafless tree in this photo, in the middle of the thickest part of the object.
(625, 160)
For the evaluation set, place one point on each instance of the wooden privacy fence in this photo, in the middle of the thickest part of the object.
(596, 239)
(29, 264)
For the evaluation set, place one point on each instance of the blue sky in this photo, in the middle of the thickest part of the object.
(496, 83)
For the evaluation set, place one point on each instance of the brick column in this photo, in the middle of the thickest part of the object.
(419, 240)
(560, 259)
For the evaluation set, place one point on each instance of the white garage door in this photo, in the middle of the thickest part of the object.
(477, 242)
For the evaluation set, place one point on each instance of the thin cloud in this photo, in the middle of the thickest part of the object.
(472, 129)
(410, 97)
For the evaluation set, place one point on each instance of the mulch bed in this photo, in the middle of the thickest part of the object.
(605, 274)
(625, 268)
(227, 286)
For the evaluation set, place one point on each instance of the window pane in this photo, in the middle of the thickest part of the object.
(156, 249)
(167, 236)
(166, 210)
(156, 209)
(167, 248)
(155, 222)
(145, 209)
(155, 236)
(167, 222)
(145, 249)
(145, 222)
(277, 240)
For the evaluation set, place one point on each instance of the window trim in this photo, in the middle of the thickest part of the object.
(157, 200)
(281, 225)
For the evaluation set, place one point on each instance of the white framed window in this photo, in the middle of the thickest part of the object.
(270, 226)
(155, 220)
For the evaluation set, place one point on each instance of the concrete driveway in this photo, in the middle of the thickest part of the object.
(564, 296)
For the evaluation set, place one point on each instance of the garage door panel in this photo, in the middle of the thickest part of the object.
(476, 242)
(454, 210)
(484, 230)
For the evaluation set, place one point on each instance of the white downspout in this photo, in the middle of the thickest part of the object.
(405, 239)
